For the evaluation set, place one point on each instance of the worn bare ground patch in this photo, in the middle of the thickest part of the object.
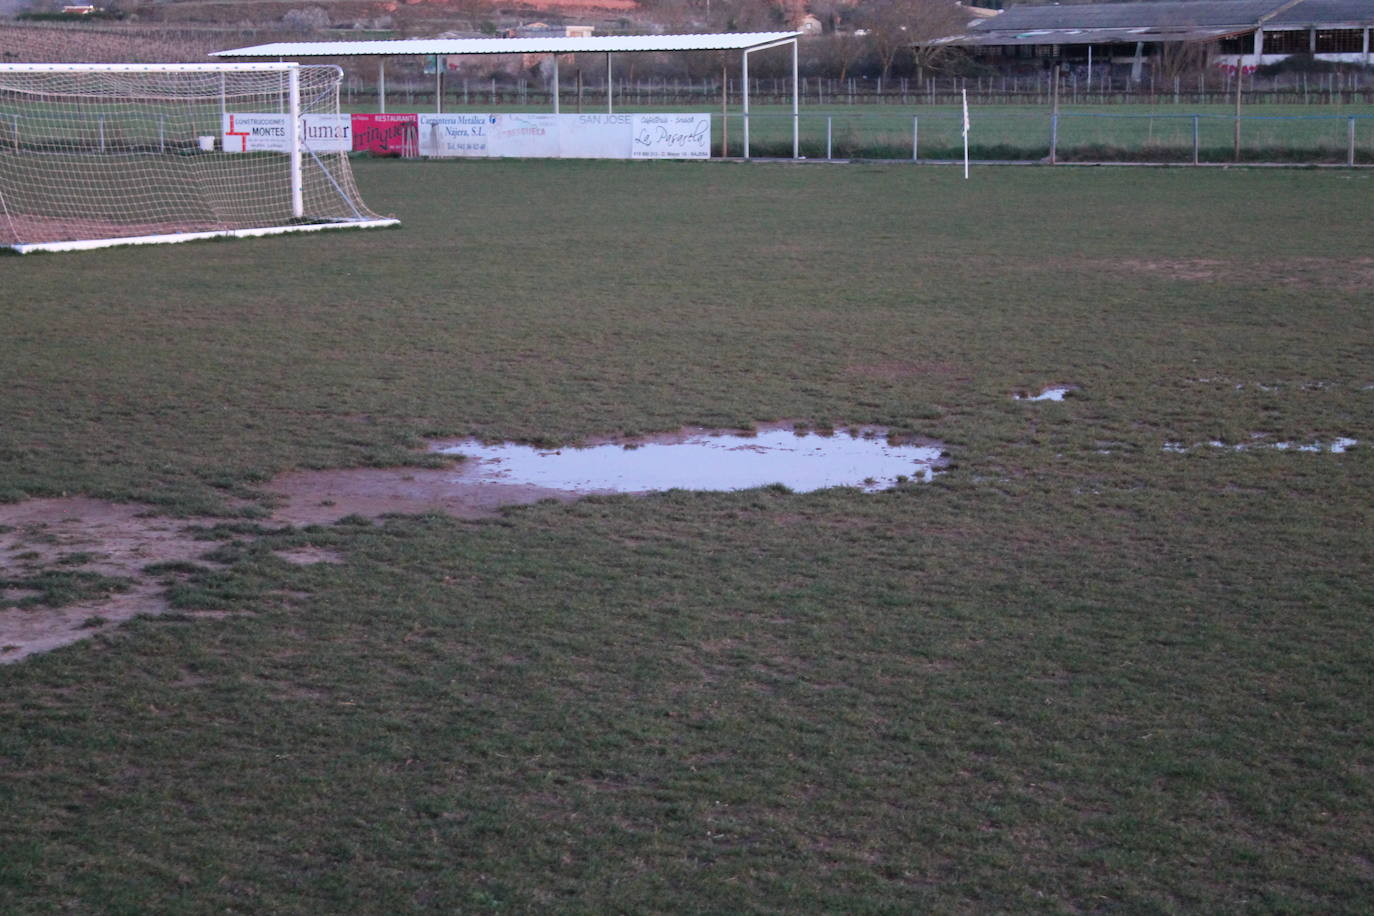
(462, 490)
(89, 536)
(101, 539)
(309, 556)
(1347, 274)
(323, 497)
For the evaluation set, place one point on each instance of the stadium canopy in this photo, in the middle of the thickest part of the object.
(745, 42)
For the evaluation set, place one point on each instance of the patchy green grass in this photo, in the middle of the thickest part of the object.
(59, 587)
(1075, 672)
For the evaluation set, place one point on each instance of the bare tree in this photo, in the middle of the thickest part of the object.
(1178, 59)
(841, 51)
(895, 27)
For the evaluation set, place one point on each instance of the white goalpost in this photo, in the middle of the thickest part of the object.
(94, 155)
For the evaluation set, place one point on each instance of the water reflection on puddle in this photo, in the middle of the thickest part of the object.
(1055, 393)
(702, 460)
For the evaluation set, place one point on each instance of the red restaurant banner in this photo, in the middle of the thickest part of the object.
(386, 134)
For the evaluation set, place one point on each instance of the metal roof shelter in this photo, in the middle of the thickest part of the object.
(1169, 21)
(745, 42)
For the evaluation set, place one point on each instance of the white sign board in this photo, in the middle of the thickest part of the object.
(554, 136)
(532, 136)
(594, 136)
(456, 134)
(256, 133)
(671, 136)
(327, 133)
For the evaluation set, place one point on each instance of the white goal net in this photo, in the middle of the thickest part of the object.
(98, 154)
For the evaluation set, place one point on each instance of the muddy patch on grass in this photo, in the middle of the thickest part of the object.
(323, 497)
(309, 556)
(490, 476)
(1347, 274)
(1177, 268)
(71, 568)
(87, 549)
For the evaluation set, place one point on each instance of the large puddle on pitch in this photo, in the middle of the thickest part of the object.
(707, 460)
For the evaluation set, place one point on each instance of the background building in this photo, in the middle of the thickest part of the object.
(1171, 36)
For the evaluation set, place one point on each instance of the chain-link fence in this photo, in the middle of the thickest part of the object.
(1181, 137)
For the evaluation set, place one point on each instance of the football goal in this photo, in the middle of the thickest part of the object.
(93, 155)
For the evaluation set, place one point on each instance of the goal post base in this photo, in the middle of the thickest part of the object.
(173, 238)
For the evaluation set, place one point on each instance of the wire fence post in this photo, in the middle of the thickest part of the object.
(1054, 116)
(1196, 140)
(1350, 142)
(916, 137)
(829, 123)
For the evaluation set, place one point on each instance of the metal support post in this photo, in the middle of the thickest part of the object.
(744, 77)
(297, 192)
(796, 113)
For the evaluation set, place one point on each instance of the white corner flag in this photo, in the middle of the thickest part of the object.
(965, 134)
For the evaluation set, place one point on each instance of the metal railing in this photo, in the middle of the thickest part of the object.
(1184, 138)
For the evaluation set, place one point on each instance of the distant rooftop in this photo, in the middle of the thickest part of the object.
(1169, 20)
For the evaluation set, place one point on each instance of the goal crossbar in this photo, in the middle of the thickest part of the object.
(149, 68)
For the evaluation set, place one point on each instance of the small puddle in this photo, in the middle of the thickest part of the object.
(705, 460)
(1055, 393)
(1337, 446)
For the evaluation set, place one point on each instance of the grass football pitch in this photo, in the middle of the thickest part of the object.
(1099, 663)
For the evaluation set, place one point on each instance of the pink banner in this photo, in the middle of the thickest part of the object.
(385, 134)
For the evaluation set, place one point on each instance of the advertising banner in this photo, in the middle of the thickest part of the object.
(385, 134)
(594, 136)
(456, 134)
(532, 136)
(256, 133)
(671, 136)
(327, 133)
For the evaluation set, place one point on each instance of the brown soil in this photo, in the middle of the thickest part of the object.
(120, 540)
(1178, 268)
(322, 497)
(1350, 274)
(309, 556)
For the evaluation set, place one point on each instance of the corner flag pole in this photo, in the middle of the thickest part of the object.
(965, 91)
